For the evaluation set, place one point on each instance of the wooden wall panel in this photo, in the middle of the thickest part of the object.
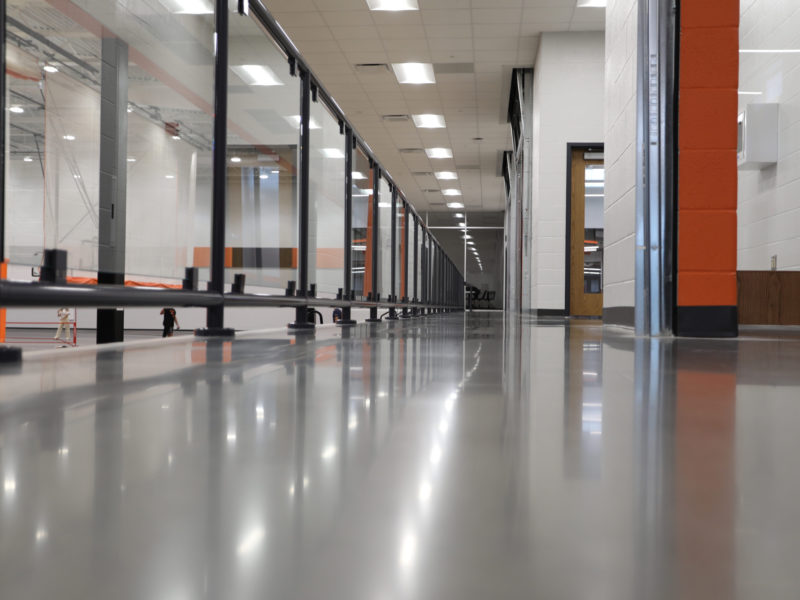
(769, 297)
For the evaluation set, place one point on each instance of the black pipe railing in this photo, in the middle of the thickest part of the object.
(435, 276)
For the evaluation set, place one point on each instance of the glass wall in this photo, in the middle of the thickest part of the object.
(362, 225)
(326, 202)
(145, 213)
(384, 276)
(263, 138)
(125, 184)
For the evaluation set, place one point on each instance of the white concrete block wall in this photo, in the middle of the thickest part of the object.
(769, 199)
(567, 108)
(620, 152)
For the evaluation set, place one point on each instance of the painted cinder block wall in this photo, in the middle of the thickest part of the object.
(707, 177)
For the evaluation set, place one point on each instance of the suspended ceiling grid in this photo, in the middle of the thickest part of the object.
(473, 44)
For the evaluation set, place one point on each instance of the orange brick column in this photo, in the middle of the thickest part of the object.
(707, 171)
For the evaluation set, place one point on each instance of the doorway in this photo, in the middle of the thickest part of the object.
(585, 231)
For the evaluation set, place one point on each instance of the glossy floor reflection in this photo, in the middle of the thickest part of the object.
(445, 457)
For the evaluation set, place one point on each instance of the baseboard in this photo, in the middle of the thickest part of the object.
(619, 315)
(707, 321)
(549, 312)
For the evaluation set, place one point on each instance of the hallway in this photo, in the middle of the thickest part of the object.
(464, 457)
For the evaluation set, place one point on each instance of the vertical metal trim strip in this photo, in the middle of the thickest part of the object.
(215, 315)
(348, 212)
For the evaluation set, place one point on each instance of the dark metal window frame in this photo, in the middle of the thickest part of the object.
(436, 295)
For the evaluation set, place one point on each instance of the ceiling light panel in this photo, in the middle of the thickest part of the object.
(414, 73)
(451, 192)
(439, 152)
(256, 75)
(592, 3)
(446, 175)
(393, 5)
(429, 121)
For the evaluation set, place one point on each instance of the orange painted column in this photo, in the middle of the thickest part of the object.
(707, 170)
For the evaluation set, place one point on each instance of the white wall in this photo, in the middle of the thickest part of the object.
(567, 107)
(769, 199)
(620, 153)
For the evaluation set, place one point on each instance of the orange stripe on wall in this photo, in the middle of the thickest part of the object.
(707, 180)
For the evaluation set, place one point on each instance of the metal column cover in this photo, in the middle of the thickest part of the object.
(215, 315)
(113, 181)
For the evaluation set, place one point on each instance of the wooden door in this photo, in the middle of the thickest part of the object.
(586, 234)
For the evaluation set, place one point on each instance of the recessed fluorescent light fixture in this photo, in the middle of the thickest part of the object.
(256, 75)
(446, 175)
(50, 69)
(439, 152)
(414, 73)
(357, 175)
(750, 93)
(393, 5)
(263, 176)
(451, 192)
(27, 159)
(17, 109)
(236, 159)
(455, 205)
(170, 176)
(459, 215)
(592, 3)
(384, 205)
(332, 153)
(131, 159)
(428, 121)
(69, 137)
(294, 121)
(189, 7)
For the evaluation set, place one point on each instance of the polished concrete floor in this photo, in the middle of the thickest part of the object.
(445, 457)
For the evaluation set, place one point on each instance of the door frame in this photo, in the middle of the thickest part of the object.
(586, 147)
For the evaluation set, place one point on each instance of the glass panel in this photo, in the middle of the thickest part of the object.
(54, 143)
(326, 198)
(384, 286)
(593, 229)
(362, 225)
(263, 136)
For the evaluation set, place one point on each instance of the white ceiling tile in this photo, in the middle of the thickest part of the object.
(449, 31)
(346, 33)
(310, 33)
(348, 18)
(547, 14)
(499, 15)
(497, 43)
(281, 6)
(447, 17)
